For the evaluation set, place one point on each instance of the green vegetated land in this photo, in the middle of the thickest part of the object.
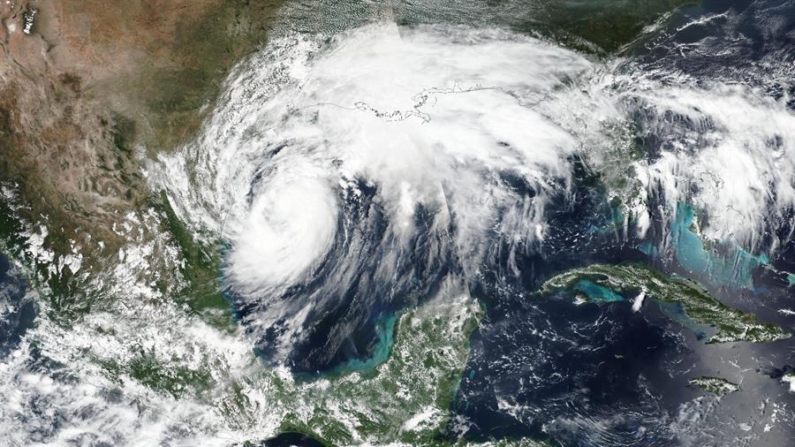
(608, 24)
(408, 397)
(631, 279)
(715, 385)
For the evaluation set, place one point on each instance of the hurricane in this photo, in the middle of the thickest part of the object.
(435, 231)
(384, 160)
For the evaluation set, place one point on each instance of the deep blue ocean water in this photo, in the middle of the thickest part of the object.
(17, 313)
(594, 374)
(599, 374)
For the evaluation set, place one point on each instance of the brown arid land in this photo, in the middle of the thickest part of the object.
(89, 89)
(92, 89)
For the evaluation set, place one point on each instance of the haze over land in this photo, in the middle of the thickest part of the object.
(396, 223)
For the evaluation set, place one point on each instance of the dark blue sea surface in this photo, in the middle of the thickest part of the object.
(290, 439)
(17, 313)
(594, 374)
(352, 321)
(602, 375)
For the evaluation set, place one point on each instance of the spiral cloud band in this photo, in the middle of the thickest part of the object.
(352, 175)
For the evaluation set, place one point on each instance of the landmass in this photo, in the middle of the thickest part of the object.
(407, 398)
(89, 90)
(602, 282)
(89, 93)
(715, 385)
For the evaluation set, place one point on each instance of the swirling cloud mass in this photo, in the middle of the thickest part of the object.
(369, 166)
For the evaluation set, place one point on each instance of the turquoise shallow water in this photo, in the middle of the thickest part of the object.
(676, 312)
(597, 293)
(734, 270)
(385, 332)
